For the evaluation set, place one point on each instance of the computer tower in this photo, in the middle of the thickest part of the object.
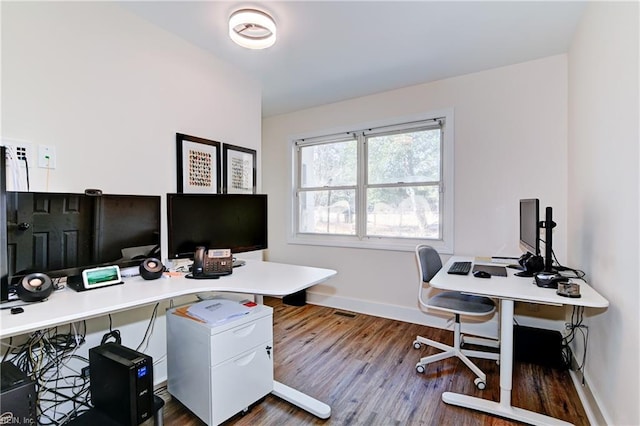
(17, 396)
(538, 346)
(121, 383)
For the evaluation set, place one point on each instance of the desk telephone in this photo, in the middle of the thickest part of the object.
(211, 263)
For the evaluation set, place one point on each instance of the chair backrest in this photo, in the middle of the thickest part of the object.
(429, 262)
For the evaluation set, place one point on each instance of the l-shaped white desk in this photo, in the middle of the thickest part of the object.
(508, 290)
(256, 277)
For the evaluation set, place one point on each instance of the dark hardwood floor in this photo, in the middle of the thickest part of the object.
(364, 368)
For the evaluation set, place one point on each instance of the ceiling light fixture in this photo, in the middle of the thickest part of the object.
(252, 29)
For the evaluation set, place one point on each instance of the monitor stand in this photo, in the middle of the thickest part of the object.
(238, 262)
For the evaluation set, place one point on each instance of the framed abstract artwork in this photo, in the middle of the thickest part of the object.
(239, 170)
(198, 162)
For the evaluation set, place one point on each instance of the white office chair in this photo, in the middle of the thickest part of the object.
(456, 303)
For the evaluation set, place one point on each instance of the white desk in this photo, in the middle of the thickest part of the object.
(508, 290)
(256, 277)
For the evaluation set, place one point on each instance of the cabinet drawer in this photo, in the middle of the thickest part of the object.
(239, 339)
(241, 381)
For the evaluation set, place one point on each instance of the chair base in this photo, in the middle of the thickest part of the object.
(456, 351)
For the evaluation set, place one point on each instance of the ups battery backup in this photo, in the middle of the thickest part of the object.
(121, 383)
(17, 396)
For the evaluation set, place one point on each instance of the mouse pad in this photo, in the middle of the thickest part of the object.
(498, 271)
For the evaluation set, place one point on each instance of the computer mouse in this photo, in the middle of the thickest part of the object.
(481, 274)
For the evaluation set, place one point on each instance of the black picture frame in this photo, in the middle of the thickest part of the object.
(197, 165)
(239, 170)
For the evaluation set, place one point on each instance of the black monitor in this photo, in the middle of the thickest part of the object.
(61, 234)
(4, 269)
(217, 221)
(530, 225)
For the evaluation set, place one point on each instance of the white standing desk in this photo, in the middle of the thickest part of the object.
(256, 277)
(508, 290)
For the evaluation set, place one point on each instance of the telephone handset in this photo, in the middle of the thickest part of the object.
(211, 263)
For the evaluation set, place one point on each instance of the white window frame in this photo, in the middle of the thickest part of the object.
(443, 245)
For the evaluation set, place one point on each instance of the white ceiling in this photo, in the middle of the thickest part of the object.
(329, 51)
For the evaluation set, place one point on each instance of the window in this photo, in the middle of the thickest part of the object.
(382, 187)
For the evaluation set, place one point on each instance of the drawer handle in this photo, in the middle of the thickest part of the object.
(242, 361)
(245, 331)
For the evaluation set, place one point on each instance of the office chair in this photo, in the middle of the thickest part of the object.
(456, 303)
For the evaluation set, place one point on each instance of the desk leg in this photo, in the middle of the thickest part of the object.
(299, 399)
(504, 407)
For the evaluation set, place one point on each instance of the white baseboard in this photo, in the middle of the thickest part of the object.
(484, 328)
(589, 401)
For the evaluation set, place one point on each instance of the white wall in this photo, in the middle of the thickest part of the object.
(603, 197)
(510, 143)
(109, 91)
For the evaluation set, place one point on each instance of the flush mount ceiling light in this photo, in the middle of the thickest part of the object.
(252, 29)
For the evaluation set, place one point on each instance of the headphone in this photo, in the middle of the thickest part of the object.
(531, 263)
(151, 268)
(34, 287)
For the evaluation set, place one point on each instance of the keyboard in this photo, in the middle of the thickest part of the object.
(460, 268)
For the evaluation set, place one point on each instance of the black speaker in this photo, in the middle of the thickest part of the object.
(151, 268)
(34, 287)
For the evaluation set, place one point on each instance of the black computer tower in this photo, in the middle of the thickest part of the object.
(17, 396)
(121, 383)
(538, 346)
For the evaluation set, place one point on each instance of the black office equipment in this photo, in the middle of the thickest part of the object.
(459, 268)
(62, 234)
(530, 225)
(18, 396)
(211, 263)
(530, 261)
(121, 383)
(538, 346)
(218, 221)
(4, 267)
(549, 279)
(548, 226)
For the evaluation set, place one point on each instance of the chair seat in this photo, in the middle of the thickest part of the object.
(464, 304)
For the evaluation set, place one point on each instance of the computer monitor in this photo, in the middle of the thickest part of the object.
(61, 234)
(216, 221)
(4, 269)
(530, 225)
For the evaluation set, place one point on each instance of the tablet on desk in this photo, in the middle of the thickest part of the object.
(494, 270)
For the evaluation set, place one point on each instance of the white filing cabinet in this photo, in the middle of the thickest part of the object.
(218, 371)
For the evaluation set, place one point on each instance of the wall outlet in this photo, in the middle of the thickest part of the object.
(46, 157)
(20, 151)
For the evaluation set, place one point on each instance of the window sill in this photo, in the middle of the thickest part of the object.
(399, 244)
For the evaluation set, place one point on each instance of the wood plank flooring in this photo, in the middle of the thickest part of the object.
(364, 368)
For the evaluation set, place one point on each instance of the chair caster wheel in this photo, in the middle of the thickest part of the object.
(420, 368)
(416, 345)
(480, 384)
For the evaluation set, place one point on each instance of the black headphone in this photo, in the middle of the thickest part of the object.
(151, 268)
(531, 263)
(34, 287)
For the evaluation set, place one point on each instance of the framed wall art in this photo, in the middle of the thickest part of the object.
(198, 162)
(239, 170)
